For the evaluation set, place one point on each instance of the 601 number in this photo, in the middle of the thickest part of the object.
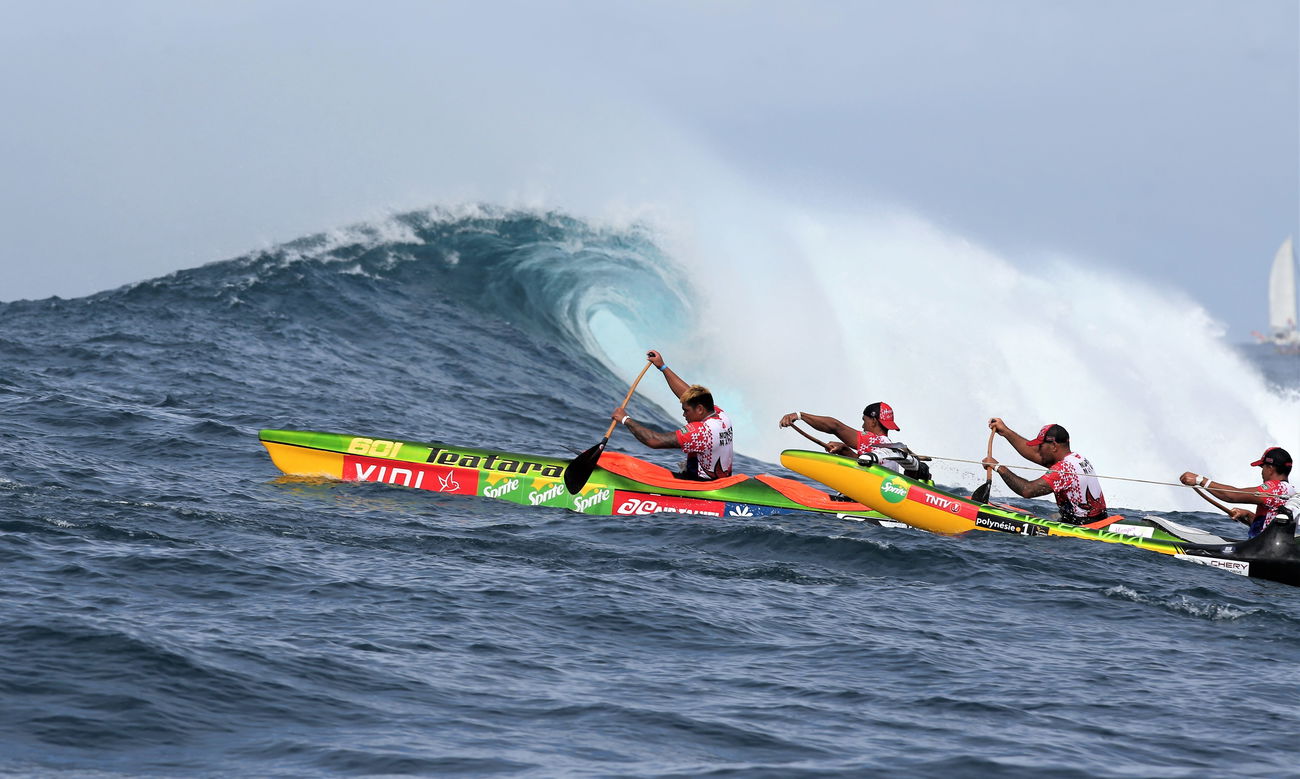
(373, 447)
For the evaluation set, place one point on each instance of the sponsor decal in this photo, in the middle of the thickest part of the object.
(632, 504)
(1004, 525)
(893, 489)
(1000, 525)
(415, 475)
(585, 502)
(1234, 566)
(538, 497)
(390, 474)
(492, 462)
(750, 510)
(374, 447)
(942, 502)
(501, 489)
(1132, 530)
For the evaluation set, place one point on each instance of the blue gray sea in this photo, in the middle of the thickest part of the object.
(171, 606)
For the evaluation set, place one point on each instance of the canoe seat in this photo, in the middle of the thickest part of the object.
(658, 476)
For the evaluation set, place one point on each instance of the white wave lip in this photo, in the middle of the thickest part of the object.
(829, 312)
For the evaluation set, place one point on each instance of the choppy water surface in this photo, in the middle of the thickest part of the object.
(172, 607)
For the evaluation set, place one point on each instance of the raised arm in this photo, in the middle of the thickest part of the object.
(1226, 492)
(1018, 442)
(675, 382)
(825, 424)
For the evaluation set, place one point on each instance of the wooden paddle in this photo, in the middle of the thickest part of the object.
(1212, 501)
(579, 469)
(981, 493)
(823, 444)
(801, 432)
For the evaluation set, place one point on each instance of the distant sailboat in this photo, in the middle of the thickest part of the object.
(1282, 302)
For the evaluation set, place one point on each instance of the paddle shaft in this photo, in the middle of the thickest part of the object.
(988, 471)
(1212, 501)
(981, 493)
(801, 432)
(580, 468)
(610, 431)
(823, 444)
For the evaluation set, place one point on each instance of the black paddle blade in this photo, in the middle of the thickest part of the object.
(981, 493)
(579, 468)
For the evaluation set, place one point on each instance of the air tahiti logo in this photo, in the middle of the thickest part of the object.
(448, 483)
(492, 462)
(629, 504)
(893, 490)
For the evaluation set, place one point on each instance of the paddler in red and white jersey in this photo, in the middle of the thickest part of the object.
(1274, 469)
(873, 438)
(707, 436)
(1070, 476)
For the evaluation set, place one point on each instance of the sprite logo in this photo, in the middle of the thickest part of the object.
(893, 490)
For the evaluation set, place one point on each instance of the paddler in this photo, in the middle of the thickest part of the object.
(706, 437)
(873, 438)
(1070, 476)
(1274, 470)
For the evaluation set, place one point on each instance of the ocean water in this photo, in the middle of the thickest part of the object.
(172, 606)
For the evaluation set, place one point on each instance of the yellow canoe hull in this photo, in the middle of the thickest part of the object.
(303, 461)
(886, 492)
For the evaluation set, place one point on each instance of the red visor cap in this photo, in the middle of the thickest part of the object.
(1042, 434)
(1273, 456)
(881, 412)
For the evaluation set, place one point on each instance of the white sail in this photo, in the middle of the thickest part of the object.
(1281, 293)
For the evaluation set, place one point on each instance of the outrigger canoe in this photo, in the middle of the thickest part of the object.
(1273, 555)
(621, 485)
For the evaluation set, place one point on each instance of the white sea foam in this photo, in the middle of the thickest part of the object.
(828, 311)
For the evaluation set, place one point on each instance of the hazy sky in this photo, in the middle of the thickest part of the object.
(1157, 136)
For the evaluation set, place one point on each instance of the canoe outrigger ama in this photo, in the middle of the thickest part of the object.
(621, 485)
